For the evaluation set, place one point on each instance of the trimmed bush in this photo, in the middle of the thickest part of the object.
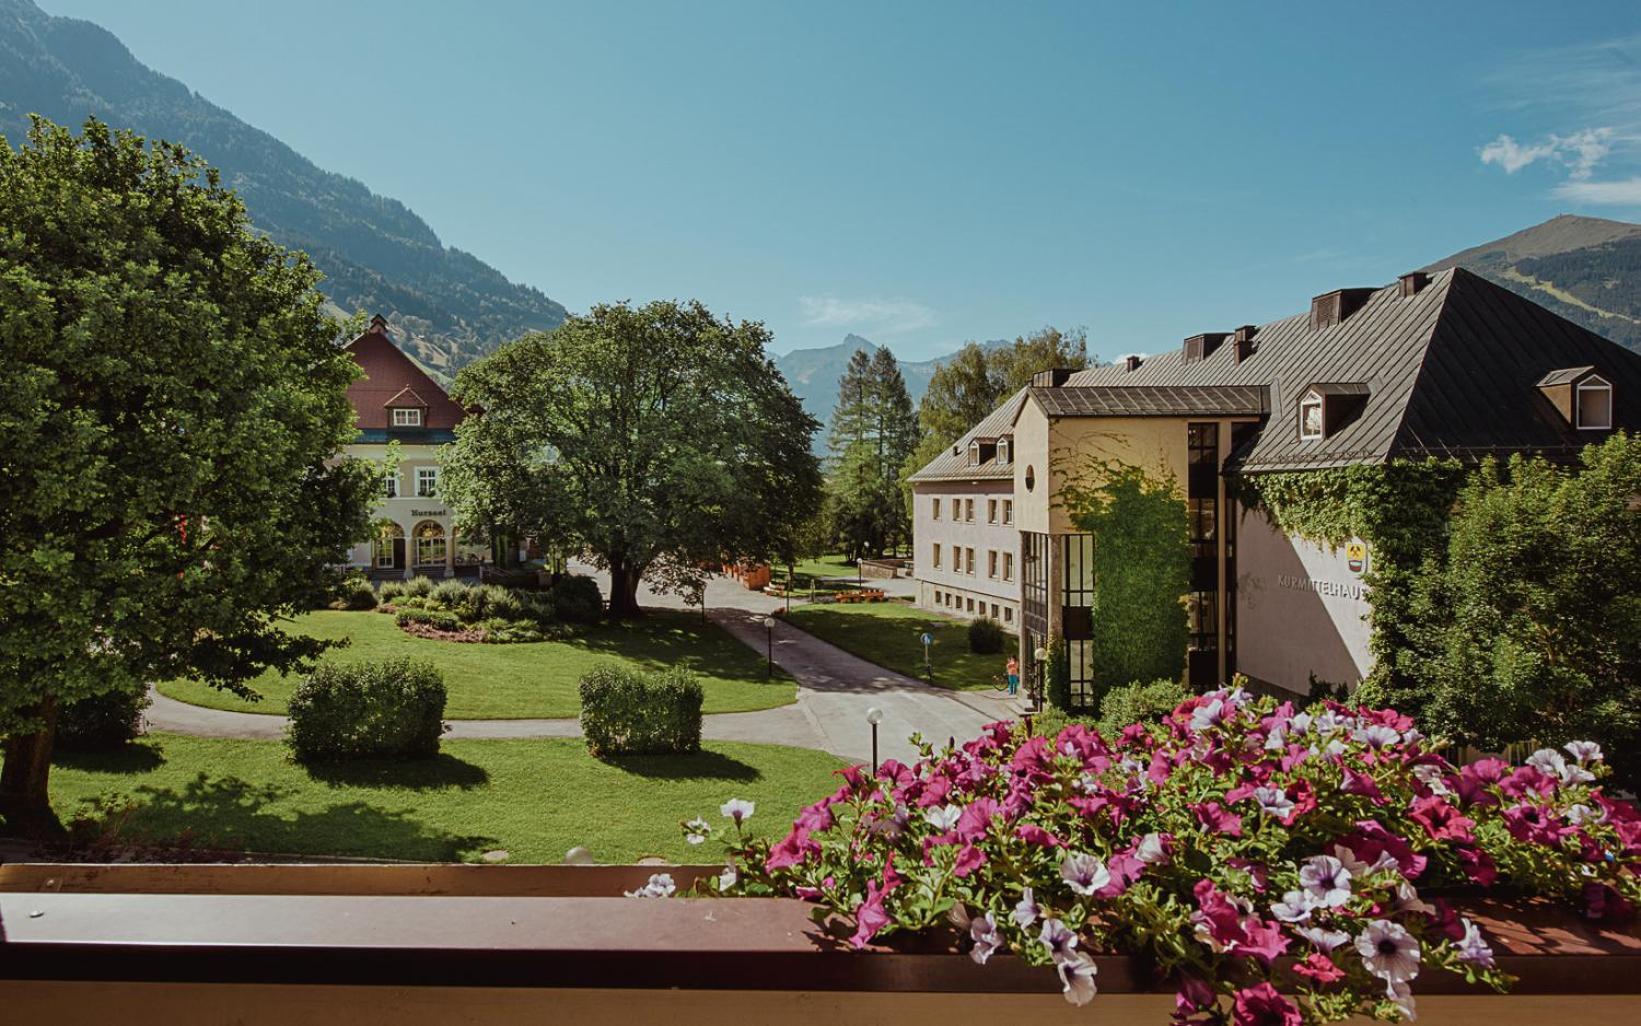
(1137, 702)
(985, 636)
(625, 712)
(392, 709)
(356, 594)
(576, 599)
(389, 591)
(435, 618)
(420, 587)
(105, 723)
(455, 596)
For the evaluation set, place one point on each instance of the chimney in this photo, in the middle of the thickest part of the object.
(378, 324)
(1052, 378)
(1200, 347)
(1243, 339)
(1412, 282)
(1132, 363)
(1331, 308)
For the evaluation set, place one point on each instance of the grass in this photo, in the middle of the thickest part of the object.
(886, 633)
(535, 799)
(530, 680)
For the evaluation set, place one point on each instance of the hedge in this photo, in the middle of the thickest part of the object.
(625, 712)
(390, 709)
(102, 724)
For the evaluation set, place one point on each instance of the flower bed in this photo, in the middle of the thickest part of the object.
(1279, 866)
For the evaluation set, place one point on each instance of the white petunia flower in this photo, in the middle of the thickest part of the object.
(659, 886)
(738, 809)
(728, 878)
(1584, 751)
(1326, 880)
(1077, 978)
(697, 830)
(1273, 801)
(1084, 873)
(1323, 939)
(943, 818)
(1295, 907)
(1473, 948)
(987, 938)
(1025, 911)
(1059, 939)
(1151, 849)
(1388, 951)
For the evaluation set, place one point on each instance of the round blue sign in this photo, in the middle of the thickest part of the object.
(927, 639)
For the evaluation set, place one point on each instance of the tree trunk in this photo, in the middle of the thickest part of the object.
(25, 802)
(623, 589)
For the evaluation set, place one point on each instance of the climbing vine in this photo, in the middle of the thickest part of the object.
(1401, 509)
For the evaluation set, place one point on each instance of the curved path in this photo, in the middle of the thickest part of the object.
(835, 689)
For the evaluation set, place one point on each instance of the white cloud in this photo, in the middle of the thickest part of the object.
(1622, 193)
(1579, 152)
(884, 316)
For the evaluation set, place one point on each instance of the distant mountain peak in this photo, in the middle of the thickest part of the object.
(1560, 234)
(447, 307)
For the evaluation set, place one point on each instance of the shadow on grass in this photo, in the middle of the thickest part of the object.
(661, 639)
(439, 773)
(234, 814)
(703, 765)
(133, 757)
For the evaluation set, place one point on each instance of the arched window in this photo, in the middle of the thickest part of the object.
(382, 544)
(430, 543)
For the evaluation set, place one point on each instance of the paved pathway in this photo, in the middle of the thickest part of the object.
(835, 690)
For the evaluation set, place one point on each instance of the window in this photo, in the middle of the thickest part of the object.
(991, 511)
(991, 563)
(390, 485)
(968, 510)
(403, 417)
(971, 605)
(1008, 566)
(934, 508)
(934, 559)
(1310, 416)
(994, 613)
(430, 544)
(1594, 409)
(427, 482)
(1008, 511)
(969, 554)
(937, 596)
(1002, 450)
(974, 454)
(1008, 614)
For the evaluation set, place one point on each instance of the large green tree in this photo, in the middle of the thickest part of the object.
(1528, 627)
(171, 402)
(874, 431)
(659, 437)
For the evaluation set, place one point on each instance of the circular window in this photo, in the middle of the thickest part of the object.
(1031, 478)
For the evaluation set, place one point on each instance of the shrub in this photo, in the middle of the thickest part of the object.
(985, 636)
(575, 599)
(418, 587)
(391, 709)
(625, 712)
(1139, 702)
(102, 724)
(1240, 846)
(389, 591)
(357, 594)
(435, 618)
(454, 596)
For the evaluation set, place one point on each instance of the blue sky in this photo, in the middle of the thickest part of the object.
(924, 174)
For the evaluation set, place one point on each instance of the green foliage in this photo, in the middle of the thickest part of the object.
(575, 599)
(390, 591)
(986, 636)
(1139, 703)
(874, 431)
(357, 594)
(625, 712)
(1528, 627)
(1057, 675)
(435, 618)
(1142, 568)
(392, 710)
(659, 437)
(417, 587)
(102, 723)
(174, 402)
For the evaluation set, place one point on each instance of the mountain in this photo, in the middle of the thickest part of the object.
(813, 375)
(446, 307)
(1587, 269)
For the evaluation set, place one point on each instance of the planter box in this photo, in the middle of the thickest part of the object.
(410, 944)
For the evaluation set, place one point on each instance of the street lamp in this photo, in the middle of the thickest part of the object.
(874, 716)
(1040, 657)
(928, 666)
(769, 646)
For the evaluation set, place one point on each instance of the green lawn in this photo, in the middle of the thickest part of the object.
(530, 680)
(535, 799)
(887, 634)
(835, 565)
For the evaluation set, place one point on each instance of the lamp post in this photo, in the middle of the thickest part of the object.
(769, 645)
(928, 665)
(874, 716)
(1040, 657)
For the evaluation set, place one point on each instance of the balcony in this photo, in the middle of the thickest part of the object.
(425, 944)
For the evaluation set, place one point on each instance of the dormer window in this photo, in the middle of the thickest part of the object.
(407, 417)
(974, 454)
(1003, 450)
(1310, 416)
(1594, 405)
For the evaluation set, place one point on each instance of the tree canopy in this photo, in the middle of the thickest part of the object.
(172, 400)
(874, 431)
(659, 437)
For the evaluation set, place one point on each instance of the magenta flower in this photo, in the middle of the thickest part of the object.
(1217, 818)
(976, 819)
(792, 850)
(969, 858)
(1319, 969)
(870, 915)
(1440, 819)
(1262, 1005)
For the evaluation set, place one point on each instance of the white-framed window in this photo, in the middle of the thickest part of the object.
(968, 511)
(407, 416)
(969, 555)
(1003, 450)
(934, 557)
(934, 508)
(427, 482)
(1008, 511)
(991, 563)
(991, 511)
(974, 454)
(1008, 566)
(390, 484)
(1593, 405)
(1310, 416)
